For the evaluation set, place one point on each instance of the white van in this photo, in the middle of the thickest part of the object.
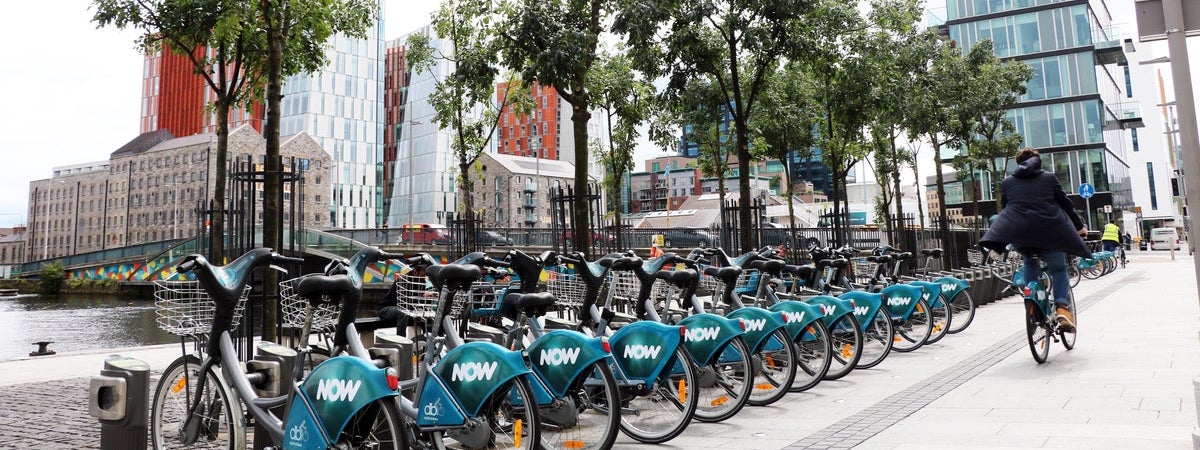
(1164, 239)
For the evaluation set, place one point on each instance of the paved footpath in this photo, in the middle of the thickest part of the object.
(1128, 384)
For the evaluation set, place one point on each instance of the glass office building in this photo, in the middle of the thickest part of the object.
(341, 106)
(1072, 111)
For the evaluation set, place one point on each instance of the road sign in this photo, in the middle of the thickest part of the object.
(1108, 209)
(1086, 190)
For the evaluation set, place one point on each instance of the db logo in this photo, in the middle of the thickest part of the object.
(299, 433)
(433, 409)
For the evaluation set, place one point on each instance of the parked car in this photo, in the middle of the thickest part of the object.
(597, 237)
(494, 238)
(687, 238)
(425, 234)
(1164, 239)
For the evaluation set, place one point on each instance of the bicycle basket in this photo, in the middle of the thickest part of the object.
(482, 298)
(415, 296)
(183, 308)
(863, 270)
(293, 308)
(568, 288)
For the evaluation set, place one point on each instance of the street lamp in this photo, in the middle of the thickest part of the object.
(411, 195)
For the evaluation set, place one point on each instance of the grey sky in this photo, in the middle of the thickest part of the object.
(72, 93)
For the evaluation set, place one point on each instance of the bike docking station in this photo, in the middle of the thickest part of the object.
(276, 364)
(119, 398)
(398, 350)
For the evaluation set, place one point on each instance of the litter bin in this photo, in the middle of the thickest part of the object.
(118, 397)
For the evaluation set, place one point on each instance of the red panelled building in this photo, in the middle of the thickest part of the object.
(515, 131)
(175, 98)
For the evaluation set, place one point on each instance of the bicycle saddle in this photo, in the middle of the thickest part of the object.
(879, 258)
(314, 287)
(902, 256)
(677, 277)
(454, 276)
(839, 262)
(934, 252)
(533, 304)
(756, 264)
(772, 265)
(623, 263)
(725, 274)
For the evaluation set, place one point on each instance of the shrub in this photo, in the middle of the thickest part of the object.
(52, 277)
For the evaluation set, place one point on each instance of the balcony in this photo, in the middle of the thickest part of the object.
(529, 202)
(1111, 45)
(1123, 116)
(531, 218)
(531, 186)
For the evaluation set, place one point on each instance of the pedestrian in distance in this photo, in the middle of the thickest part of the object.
(1111, 237)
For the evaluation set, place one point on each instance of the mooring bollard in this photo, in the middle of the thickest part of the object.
(118, 397)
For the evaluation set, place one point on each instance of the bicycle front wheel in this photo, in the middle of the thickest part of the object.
(221, 424)
(378, 426)
(813, 355)
(941, 316)
(1068, 338)
(774, 369)
(657, 413)
(1073, 272)
(597, 412)
(877, 340)
(726, 383)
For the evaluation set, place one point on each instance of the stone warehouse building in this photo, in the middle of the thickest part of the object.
(514, 191)
(150, 188)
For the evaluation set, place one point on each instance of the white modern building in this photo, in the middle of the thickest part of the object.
(1154, 156)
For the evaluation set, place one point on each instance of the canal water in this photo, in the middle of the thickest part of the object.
(76, 323)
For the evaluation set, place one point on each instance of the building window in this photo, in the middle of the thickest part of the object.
(1128, 83)
(1153, 192)
(1135, 139)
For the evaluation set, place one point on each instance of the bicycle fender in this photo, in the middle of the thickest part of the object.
(865, 305)
(336, 390)
(831, 308)
(436, 406)
(759, 322)
(300, 430)
(642, 349)
(797, 316)
(472, 372)
(931, 292)
(706, 333)
(901, 299)
(951, 286)
(558, 357)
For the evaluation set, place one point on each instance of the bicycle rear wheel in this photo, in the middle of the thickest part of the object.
(941, 316)
(911, 333)
(774, 369)
(1073, 272)
(846, 342)
(658, 413)
(877, 340)
(378, 426)
(221, 416)
(813, 355)
(511, 424)
(962, 308)
(597, 403)
(725, 384)
(1037, 332)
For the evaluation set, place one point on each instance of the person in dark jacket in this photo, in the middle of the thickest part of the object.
(1037, 215)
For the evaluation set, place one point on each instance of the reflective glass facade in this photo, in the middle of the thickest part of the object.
(341, 106)
(1067, 110)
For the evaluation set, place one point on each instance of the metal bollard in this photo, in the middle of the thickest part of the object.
(405, 361)
(119, 398)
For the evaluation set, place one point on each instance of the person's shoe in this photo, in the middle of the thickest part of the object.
(1066, 320)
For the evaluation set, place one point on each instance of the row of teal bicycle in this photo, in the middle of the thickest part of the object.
(550, 351)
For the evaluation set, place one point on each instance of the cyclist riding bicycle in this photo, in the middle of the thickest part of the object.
(1112, 236)
(1038, 215)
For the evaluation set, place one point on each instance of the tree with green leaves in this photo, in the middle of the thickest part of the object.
(626, 100)
(1000, 85)
(785, 123)
(472, 44)
(296, 35)
(700, 110)
(223, 48)
(736, 45)
(556, 44)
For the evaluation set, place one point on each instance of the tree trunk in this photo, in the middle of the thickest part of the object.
(787, 176)
(271, 198)
(743, 154)
(943, 224)
(837, 208)
(996, 185)
(899, 195)
(468, 203)
(579, 210)
(917, 185)
(975, 191)
(216, 229)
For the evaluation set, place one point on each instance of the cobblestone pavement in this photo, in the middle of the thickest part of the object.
(47, 415)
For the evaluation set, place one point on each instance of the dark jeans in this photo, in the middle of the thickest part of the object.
(393, 314)
(1056, 266)
(1110, 246)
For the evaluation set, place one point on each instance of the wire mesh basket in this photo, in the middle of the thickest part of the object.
(482, 298)
(183, 308)
(568, 288)
(293, 305)
(709, 286)
(625, 288)
(415, 296)
(974, 256)
(863, 270)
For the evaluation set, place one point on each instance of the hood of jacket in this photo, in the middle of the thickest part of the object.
(1032, 167)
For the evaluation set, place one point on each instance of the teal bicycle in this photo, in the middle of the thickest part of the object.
(1041, 326)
